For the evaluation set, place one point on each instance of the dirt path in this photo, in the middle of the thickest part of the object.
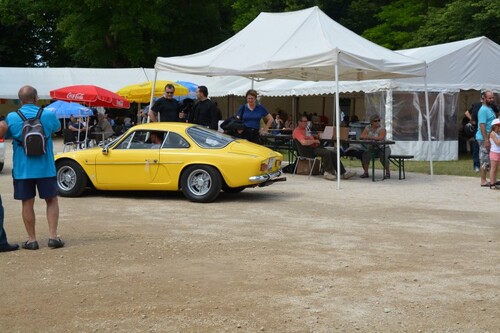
(299, 256)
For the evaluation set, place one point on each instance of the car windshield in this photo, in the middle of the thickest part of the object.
(207, 138)
(111, 143)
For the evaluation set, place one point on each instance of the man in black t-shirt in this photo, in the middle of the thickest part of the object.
(166, 106)
(205, 113)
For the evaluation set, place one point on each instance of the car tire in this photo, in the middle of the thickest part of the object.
(71, 179)
(1, 166)
(201, 183)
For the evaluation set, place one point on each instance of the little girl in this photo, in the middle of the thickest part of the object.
(494, 152)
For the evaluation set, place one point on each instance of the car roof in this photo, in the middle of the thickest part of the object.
(163, 126)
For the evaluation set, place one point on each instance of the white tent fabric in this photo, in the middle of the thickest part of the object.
(466, 64)
(47, 79)
(472, 64)
(303, 45)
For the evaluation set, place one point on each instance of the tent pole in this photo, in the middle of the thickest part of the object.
(337, 121)
(429, 136)
(153, 86)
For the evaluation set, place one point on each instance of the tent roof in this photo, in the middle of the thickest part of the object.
(47, 79)
(300, 45)
(472, 64)
(467, 64)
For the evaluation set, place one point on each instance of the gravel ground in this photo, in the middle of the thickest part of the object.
(417, 255)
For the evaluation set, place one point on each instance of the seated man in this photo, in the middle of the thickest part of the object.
(328, 157)
(156, 139)
(102, 130)
(77, 128)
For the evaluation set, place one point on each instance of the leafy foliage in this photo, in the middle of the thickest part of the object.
(121, 33)
(460, 19)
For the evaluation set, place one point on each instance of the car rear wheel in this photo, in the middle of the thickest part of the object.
(201, 183)
(71, 179)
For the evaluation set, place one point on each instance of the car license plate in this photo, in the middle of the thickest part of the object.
(270, 164)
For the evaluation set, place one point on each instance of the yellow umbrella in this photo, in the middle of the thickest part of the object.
(141, 92)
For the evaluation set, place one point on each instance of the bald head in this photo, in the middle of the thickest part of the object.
(28, 95)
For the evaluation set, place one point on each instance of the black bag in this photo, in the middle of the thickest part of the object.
(289, 168)
(232, 124)
(470, 130)
(33, 136)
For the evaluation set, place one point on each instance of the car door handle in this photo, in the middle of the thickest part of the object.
(152, 161)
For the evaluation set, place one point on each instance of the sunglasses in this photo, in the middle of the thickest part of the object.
(169, 92)
(376, 121)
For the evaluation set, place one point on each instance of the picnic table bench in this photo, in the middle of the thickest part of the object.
(399, 161)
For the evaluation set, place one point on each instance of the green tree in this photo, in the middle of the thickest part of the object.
(361, 15)
(123, 33)
(398, 20)
(460, 19)
(27, 34)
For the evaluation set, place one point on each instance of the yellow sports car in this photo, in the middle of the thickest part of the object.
(170, 157)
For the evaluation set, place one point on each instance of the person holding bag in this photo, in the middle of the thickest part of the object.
(251, 114)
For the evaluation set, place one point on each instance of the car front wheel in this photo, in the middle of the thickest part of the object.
(71, 179)
(201, 183)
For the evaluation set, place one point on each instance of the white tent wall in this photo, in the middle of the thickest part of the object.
(406, 122)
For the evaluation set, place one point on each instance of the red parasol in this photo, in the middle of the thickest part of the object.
(90, 95)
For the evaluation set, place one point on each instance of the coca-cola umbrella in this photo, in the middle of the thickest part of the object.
(90, 95)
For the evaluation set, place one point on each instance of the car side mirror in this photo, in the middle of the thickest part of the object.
(105, 151)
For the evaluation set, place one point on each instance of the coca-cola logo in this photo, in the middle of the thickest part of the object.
(75, 96)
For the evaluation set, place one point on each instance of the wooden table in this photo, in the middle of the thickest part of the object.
(378, 145)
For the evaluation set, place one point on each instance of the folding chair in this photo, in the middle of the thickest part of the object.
(71, 141)
(305, 154)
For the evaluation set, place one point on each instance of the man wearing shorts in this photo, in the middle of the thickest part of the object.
(484, 118)
(34, 172)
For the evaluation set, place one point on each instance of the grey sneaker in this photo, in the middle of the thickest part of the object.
(329, 176)
(348, 175)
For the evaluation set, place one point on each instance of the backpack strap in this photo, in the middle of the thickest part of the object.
(20, 114)
(39, 113)
(23, 117)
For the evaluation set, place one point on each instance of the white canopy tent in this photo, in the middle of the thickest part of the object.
(302, 45)
(472, 64)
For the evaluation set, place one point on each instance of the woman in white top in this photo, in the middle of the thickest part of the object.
(494, 153)
(376, 132)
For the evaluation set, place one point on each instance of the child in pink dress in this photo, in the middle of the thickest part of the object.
(494, 153)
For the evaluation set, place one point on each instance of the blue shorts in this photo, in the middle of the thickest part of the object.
(25, 189)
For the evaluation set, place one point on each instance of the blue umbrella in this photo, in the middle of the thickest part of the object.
(191, 87)
(66, 109)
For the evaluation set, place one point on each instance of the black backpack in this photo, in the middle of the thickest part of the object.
(34, 139)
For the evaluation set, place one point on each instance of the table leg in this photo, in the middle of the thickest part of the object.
(373, 165)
